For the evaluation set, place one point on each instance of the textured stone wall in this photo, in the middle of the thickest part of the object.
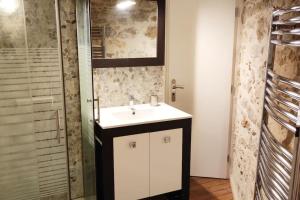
(72, 94)
(114, 86)
(251, 57)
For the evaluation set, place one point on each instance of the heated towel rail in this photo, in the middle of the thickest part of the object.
(98, 38)
(278, 168)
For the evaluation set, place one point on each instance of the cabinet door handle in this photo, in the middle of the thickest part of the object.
(167, 139)
(132, 145)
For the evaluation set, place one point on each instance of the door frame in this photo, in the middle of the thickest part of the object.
(233, 89)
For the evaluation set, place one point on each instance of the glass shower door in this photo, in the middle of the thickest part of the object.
(86, 93)
(33, 152)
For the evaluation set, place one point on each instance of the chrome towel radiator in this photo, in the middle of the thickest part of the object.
(278, 169)
(98, 45)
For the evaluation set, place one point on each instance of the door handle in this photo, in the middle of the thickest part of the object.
(98, 109)
(57, 126)
(174, 86)
(177, 87)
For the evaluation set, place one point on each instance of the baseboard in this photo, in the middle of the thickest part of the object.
(233, 188)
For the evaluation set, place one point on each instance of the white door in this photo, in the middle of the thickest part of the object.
(131, 167)
(165, 161)
(200, 42)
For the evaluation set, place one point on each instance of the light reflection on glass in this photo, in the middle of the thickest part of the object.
(8, 6)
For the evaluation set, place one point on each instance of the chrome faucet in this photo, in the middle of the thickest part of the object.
(131, 105)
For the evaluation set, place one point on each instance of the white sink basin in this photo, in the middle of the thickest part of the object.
(114, 117)
(137, 114)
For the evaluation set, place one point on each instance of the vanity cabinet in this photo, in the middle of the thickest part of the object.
(151, 161)
(148, 161)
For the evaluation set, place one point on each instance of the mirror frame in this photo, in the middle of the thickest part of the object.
(159, 60)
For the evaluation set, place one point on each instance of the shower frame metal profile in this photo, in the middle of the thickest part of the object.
(278, 170)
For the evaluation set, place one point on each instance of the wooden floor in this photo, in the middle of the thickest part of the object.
(210, 189)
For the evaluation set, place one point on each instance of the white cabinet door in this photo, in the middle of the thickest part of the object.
(165, 161)
(131, 167)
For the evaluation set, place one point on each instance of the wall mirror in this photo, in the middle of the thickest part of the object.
(127, 33)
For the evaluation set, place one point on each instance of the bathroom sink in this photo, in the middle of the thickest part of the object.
(114, 117)
(133, 114)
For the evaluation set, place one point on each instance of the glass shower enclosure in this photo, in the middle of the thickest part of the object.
(33, 151)
(87, 99)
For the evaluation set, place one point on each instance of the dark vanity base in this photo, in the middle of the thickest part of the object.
(177, 195)
(105, 163)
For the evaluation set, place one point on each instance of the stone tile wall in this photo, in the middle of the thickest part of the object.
(72, 94)
(251, 56)
(115, 86)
